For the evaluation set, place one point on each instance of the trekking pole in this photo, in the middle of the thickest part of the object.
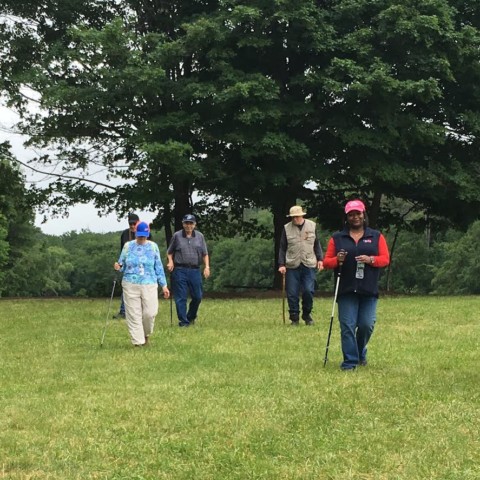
(108, 312)
(333, 311)
(283, 297)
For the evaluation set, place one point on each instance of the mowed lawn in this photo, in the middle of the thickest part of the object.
(240, 395)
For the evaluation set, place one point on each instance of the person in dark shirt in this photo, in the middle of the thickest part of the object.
(186, 253)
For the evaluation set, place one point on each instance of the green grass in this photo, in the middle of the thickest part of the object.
(240, 395)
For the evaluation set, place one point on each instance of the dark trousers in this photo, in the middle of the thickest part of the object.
(122, 305)
(187, 281)
(300, 280)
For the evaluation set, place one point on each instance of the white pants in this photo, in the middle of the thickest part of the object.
(141, 308)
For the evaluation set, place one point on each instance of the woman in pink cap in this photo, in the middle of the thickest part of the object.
(356, 253)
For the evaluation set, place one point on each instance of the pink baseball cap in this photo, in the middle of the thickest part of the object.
(354, 205)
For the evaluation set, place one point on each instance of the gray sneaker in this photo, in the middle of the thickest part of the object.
(294, 319)
(308, 319)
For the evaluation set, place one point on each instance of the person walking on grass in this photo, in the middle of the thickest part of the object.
(143, 271)
(186, 253)
(127, 236)
(300, 255)
(362, 252)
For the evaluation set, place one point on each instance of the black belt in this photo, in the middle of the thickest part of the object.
(183, 265)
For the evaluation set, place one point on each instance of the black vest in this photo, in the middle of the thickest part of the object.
(367, 245)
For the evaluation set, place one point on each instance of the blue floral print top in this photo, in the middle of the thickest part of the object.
(141, 264)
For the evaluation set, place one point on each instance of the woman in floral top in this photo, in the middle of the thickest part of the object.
(143, 271)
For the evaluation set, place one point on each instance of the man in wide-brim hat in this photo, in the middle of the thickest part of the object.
(299, 257)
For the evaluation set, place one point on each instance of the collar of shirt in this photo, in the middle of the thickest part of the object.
(184, 234)
(367, 232)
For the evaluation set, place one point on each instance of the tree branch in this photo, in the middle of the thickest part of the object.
(70, 177)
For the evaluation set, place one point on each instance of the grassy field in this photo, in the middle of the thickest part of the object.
(240, 395)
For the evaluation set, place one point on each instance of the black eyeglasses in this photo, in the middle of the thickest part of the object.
(132, 223)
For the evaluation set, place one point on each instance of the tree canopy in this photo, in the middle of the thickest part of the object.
(16, 218)
(258, 103)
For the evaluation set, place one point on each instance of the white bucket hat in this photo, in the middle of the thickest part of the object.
(296, 211)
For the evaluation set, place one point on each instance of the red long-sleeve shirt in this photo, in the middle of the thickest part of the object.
(381, 260)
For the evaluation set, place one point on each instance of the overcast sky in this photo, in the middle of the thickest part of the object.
(85, 217)
(81, 217)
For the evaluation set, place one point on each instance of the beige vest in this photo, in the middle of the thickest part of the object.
(300, 245)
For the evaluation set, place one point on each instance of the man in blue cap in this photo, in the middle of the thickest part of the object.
(186, 254)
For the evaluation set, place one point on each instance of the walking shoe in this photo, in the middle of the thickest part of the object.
(363, 363)
(294, 318)
(308, 319)
(119, 315)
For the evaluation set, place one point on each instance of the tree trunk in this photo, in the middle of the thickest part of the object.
(167, 222)
(374, 210)
(389, 268)
(182, 205)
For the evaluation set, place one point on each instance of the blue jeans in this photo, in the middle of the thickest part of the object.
(185, 281)
(300, 279)
(357, 314)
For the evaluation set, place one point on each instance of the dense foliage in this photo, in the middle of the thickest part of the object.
(250, 103)
(16, 221)
(80, 264)
(218, 106)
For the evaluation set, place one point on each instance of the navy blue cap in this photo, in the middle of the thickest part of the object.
(189, 218)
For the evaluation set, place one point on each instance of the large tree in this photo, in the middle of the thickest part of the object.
(267, 127)
(260, 102)
(116, 89)
(404, 105)
(375, 99)
(16, 218)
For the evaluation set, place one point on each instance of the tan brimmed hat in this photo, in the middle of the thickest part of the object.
(296, 211)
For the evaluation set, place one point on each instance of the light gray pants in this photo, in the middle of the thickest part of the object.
(141, 308)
